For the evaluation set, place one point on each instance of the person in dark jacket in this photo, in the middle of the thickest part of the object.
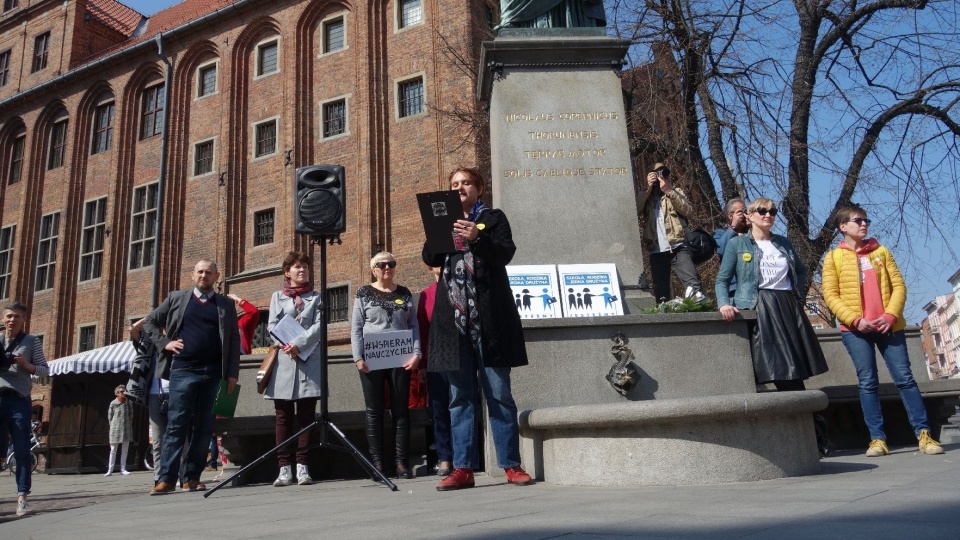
(476, 334)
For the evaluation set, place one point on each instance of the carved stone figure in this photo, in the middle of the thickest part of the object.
(551, 14)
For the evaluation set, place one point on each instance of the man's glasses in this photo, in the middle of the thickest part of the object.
(765, 211)
(386, 264)
(738, 212)
(859, 221)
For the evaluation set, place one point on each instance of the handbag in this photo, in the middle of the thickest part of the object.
(699, 242)
(266, 368)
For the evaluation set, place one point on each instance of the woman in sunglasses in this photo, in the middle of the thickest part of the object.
(864, 289)
(771, 280)
(384, 306)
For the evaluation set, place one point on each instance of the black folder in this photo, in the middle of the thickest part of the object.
(439, 210)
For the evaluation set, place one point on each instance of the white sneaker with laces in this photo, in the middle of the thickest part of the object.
(303, 475)
(285, 478)
(124, 472)
(22, 508)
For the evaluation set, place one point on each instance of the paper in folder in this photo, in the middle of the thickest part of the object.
(439, 210)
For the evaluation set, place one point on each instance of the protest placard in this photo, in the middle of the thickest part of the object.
(385, 350)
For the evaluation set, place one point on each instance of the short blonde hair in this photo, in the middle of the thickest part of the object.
(760, 202)
(380, 257)
(119, 388)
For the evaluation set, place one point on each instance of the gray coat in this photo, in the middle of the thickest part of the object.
(164, 322)
(120, 416)
(292, 378)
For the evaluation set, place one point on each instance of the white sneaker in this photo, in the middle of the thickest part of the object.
(124, 472)
(285, 478)
(303, 475)
(109, 473)
(22, 508)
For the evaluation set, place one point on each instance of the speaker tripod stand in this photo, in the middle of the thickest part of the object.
(323, 417)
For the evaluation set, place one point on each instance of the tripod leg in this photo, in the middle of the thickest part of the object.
(261, 459)
(358, 455)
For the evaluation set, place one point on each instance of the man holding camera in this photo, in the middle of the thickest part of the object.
(665, 209)
(22, 359)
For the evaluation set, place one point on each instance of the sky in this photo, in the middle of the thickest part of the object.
(149, 7)
(937, 258)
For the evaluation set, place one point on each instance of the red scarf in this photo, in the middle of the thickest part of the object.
(294, 292)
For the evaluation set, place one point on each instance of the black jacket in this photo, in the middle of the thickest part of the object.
(500, 328)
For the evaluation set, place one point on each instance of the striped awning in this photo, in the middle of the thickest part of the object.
(110, 359)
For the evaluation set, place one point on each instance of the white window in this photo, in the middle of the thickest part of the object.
(47, 251)
(207, 79)
(409, 13)
(91, 240)
(334, 37)
(143, 226)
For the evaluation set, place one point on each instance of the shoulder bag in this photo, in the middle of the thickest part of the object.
(266, 368)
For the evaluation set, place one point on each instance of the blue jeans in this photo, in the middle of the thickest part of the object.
(15, 416)
(438, 390)
(192, 393)
(893, 347)
(495, 383)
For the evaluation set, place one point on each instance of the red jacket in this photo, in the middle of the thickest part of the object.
(248, 324)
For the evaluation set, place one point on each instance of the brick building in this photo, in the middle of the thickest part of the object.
(133, 146)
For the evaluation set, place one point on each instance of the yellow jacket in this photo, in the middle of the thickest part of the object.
(841, 285)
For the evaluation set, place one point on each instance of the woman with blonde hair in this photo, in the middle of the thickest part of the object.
(384, 306)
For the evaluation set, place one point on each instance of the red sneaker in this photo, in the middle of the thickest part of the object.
(517, 476)
(458, 479)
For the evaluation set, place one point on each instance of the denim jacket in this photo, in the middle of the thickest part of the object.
(740, 260)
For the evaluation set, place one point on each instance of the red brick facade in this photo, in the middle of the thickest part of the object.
(100, 52)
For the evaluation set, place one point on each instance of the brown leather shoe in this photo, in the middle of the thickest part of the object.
(194, 485)
(162, 488)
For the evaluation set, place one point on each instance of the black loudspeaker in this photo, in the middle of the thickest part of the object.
(320, 202)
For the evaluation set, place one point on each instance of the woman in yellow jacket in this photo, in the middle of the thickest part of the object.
(864, 289)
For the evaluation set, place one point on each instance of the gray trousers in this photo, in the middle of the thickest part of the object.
(682, 263)
(158, 425)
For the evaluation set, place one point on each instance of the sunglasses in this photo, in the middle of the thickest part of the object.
(859, 221)
(765, 211)
(386, 264)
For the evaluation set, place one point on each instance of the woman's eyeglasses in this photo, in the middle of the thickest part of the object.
(859, 221)
(386, 264)
(765, 211)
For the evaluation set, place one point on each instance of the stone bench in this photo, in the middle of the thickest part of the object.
(697, 440)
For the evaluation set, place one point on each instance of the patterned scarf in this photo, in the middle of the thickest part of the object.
(294, 292)
(460, 276)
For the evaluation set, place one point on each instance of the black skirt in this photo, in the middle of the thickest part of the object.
(783, 344)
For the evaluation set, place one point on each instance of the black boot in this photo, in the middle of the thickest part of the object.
(403, 445)
(375, 438)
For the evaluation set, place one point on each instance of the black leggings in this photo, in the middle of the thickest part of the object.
(398, 381)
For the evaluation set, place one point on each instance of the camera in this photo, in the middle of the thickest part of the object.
(7, 359)
(663, 172)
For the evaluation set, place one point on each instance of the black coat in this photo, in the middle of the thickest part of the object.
(500, 330)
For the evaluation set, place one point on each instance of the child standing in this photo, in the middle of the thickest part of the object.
(120, 416)
(864, 289)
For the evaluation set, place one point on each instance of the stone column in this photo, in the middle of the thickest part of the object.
(560, 155)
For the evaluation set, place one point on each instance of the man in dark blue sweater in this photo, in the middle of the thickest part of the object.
(196, 330)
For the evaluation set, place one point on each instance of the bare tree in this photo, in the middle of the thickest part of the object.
(816, 101)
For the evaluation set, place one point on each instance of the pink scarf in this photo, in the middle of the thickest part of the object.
(294, 292)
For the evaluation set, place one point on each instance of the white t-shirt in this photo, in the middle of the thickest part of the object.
(774, 269)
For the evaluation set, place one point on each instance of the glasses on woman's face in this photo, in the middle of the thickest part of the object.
(386, 264)
(765, 211)
(859, 221)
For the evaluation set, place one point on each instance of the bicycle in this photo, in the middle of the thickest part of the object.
(11, 463)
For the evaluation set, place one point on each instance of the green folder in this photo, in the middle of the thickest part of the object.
(226, 404)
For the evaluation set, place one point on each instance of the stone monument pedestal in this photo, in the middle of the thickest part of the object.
(561, 167)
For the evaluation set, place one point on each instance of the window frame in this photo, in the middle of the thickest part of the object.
(155, 114)
(398, 90)
(207, 66)
(194, 157)
(256, 226)
(96, 230)
(325, 24)
(8, 234)
(143, 191)
(16, 159)
(324, 121)
(41, 52)
(259, 73)
(47, 266)
(102, 139)
(328, 303)
(91, 328)
(255, 138)
(399, 22)
(10, 5)
(5, 57)
(57, 154)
